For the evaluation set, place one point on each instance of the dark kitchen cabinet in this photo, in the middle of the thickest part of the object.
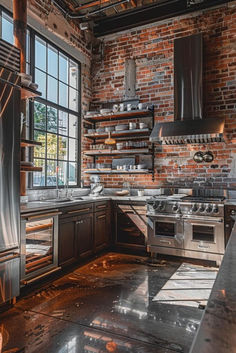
(101, 230)
(67, 253)
(84, 235)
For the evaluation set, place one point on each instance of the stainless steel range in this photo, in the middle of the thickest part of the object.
(189, 226)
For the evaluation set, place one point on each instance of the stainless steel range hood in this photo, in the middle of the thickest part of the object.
(188, 125)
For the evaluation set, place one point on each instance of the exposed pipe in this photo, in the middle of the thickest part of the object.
(74, 16)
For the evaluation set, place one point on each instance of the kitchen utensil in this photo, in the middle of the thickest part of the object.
(121, 127)
(119, 146)
(198, 157)
(109, 128)
(143, 125)
(140, 192)
(122, 107)
(141, 166)
(122, 192)
(115, 108)
(140, 106)
(91, 131)
(105, 111)
(208, 157)
(110, 140)
(132, 126)
(100, 129)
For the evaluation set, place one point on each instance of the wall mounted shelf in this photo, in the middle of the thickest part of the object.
(98, 171)
(117, 152)
(30, 169)
(132, 114)
(27, 92)
(124, 133)
(30, 143)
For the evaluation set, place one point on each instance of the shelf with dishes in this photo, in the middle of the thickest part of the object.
(137, 133)
(109, 152)
(114, 171)
(95, 117)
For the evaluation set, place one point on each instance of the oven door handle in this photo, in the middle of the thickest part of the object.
(203, 219)
(178, 217)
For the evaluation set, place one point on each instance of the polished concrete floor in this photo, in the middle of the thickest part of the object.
(104, 306)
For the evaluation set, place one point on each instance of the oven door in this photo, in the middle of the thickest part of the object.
(204, 234)
(165, 230)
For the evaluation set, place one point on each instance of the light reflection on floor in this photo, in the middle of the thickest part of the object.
(190, 285)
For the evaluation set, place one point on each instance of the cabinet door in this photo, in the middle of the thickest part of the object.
(84, 235)
(67, 243)
(101, 231)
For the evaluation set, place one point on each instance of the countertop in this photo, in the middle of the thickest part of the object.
(217, 331)
(34, 206)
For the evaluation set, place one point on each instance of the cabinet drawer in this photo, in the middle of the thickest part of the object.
(102, 205)
(77, 210)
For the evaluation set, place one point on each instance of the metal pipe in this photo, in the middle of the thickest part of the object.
(74, 16)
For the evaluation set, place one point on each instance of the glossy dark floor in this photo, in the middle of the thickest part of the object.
(104, 306)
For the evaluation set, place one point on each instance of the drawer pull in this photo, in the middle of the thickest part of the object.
(165, 242)
(100, 217)
(41, 215)
(80, 222)
(78, 211)
(203, 246)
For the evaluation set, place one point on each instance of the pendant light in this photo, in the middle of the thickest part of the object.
(110, 140)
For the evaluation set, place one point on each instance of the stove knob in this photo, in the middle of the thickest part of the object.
(161, 206)
(202, 208)
(215, 209)
(155, 205)
(194, 207)
(175, 207)
(209, 208)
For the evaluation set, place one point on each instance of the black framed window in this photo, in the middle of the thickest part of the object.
(56, 116)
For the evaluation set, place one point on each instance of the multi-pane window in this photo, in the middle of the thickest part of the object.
(55, 115)
(56, 118)
(57, 130)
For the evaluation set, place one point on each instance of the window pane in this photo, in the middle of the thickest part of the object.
(52, 119)
(7, 28)
(73, 99)
(28, 46)
(51, 173)
(63, 147)
(73, 126)
(63, 68)
(28, 68)
(39, 177)
(52, 89)
(39, 116)
(73, 74)
(62, 173)
(39, 151)
(40, 79)
(40, 54)
(52, 61)
(63, 123)
(72, 174)
(63, 95)
(73, 150)
(51, 146)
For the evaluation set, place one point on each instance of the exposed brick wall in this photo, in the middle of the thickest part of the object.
(152, 48)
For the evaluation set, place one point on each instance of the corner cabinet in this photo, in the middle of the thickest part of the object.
(135, 135)
(83, 231)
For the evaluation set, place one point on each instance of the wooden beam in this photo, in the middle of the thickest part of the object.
(124, 6)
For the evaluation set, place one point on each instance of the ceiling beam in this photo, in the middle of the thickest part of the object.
(90, 4)
(148, 14)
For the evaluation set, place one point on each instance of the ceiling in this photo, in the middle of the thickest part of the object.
(110, 16)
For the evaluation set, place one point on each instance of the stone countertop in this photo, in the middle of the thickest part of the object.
(217, 331)
(34, 206)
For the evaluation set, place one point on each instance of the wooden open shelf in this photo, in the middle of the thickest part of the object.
(27, 92)
(123, 133)
(98, 171)
(27, 168)
(117, 152)
(133, 114)
(30, 143)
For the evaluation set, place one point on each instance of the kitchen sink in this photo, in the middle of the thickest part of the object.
(65, 199)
